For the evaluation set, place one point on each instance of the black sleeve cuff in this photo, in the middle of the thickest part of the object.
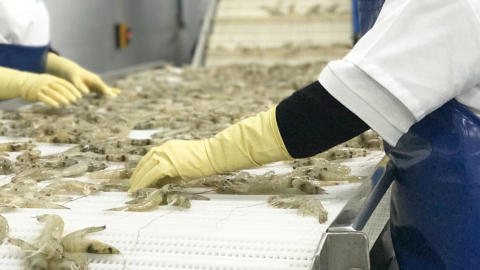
(311, 121)
(52, 50)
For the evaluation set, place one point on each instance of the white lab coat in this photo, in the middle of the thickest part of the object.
(24, 22)
(418, 56)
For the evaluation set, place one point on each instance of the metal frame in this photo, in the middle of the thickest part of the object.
(200, 48)
(345, 246)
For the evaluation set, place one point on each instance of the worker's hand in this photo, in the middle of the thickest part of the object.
(249, 143)
(81, 78)
(52, 90)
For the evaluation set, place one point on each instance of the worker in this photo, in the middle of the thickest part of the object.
(414, 79)
(25, 57)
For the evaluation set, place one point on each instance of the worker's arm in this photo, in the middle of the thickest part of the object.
(307, 123)
(81, 78)
(49, 89)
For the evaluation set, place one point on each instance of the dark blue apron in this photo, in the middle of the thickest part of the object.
(24, 58)
(435, 206)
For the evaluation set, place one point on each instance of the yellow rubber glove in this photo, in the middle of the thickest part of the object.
(81, 78)
(52, 90)
(252, 142)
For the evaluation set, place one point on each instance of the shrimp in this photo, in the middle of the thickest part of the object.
(368, 139)
(144, 192)
(343, 153)
(6, 166)
(35, 260)
(305, 205)
(15, 147)
(71, 187)
(320, 174)
(29, 155)
(75, 242)
(308, 186)
(321, 163)
(211, 181)
(115, 174)
(117, 185)
(82, 167)
(69, 261)
(122, 157)
(20, 124)
(26, 186)
(153, 200)
(121, 131)
(37, 174)
(268, 183)
(60, 137)
(49, 240)
(19, 202)
(178, 200)
(3, 228)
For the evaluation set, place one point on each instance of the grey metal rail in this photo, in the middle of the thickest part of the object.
(345, 246)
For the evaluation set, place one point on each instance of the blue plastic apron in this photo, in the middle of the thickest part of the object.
(24, 58)
(435, 206)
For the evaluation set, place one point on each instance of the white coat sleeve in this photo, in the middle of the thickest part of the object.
(24, 22)
(418, 56)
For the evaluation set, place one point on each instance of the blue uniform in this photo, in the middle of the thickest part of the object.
(24, 58)
(435, 207)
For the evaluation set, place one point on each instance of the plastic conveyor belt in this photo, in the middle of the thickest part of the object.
(227, 232)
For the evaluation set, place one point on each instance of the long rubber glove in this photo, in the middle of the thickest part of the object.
(252, 142)
(81, 78)
(52, 90)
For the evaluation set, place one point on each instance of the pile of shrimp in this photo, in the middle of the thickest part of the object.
(179, 103)
(51, 250)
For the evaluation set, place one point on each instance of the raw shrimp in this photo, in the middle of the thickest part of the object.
(70, 187)
(37, 174)
(305, 205)
(60, 137)
(49, 240)
(69, 261)
(29, 155)
(308, 186)
(320, 174)
(144, 192)
(268, 183)
(178, 200)
(35, 260)
(6, 166)
(19, 202)
(322, 164)
(368, 139)
(153, 200)
(343, 153)
(211, 181)
(115, 174)
(75, 242)
(82, 167)
(122, 157)
(3, 228)
(15, 147)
